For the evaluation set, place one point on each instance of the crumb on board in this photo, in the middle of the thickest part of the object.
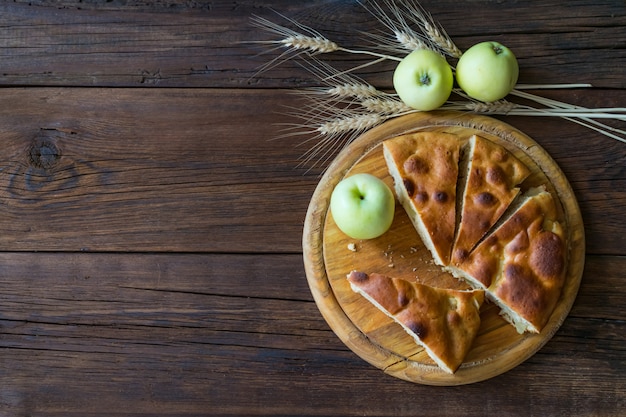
(389, 255)
(352, 247)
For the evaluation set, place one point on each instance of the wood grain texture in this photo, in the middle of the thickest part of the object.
(177, 334)
(151, 224)
(204, 44)
(173, 169)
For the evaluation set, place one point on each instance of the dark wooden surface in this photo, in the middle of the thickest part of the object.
(150, 228)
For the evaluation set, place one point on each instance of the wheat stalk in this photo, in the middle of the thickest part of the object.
(339, 84)
(581, 115)
(337, 112)
(574, 114)
(351, 90)
(433, 31)
(401, 18)
(551, 86)
(330, 134)
(401, 38)
(313, 44)
(410, 41)
(307, 41)
(357, 122)
(345, 106)
(496, 107)
(442, 40)
(398, 43)
(386, 106)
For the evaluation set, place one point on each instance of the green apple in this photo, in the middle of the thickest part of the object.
(362, 206)
(423, 80)
(487, 71)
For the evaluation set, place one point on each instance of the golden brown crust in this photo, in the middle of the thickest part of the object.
(425, 168)
(522, 264)
(444, 321)
(491, 185)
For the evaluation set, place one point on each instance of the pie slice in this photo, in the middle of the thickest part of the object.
(443, 321)
(522, 263)
(425, 167)
(491, 184)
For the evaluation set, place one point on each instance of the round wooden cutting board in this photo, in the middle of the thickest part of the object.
(329, 255)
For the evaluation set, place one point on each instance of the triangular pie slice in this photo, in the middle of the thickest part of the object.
(490, 186)
(522, 263)
(425, 167)
(443, 321)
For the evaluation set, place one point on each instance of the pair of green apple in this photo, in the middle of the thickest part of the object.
(487, 72)
(362, 205)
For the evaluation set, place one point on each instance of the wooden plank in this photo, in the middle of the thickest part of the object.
(172, 170)
(189, 334)
(168, 170)
(601, 287)
(99, 185)
(206, 44)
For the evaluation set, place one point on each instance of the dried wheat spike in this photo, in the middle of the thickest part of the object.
(345, 90)
(442, 40)
(312, 44)
(409, 41)
(499, 107)
(386, 106)
(359, 122)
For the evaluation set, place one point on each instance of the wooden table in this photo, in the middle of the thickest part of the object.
(151, 259)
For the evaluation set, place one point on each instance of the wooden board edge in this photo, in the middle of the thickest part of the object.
(349, 333)
(320, 287)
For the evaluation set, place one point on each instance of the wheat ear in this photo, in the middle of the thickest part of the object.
(576, 114)
(346, 106)
(330, 133)
(338, 84)
(412, 28)
(386, 106)
(305, 40)
(347, 90)
(442, 40)
(438, 36)
(401, 38)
